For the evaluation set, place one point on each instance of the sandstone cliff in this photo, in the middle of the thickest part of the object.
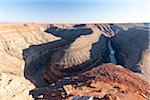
(14, 38)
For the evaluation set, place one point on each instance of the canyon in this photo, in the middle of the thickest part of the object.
(73, 61)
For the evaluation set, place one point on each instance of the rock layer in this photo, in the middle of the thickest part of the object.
(14, 87)
(14, 38)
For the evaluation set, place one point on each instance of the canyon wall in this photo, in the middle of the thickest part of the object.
(31, 53)
(14, 38)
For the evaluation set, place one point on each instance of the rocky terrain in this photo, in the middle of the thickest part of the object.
(105, 82)
(13, 87)
(66, 61)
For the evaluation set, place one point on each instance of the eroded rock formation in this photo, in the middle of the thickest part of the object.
(144, 64)
(130, 41)
(14, 38)
(85, 51)
(45, 53)
(106, 82)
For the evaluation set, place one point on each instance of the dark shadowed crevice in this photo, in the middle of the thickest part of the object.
(112, 54)
(129, 43)
(69, 34)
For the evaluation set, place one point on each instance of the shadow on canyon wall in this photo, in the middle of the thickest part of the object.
(128, 46)
(37, 57)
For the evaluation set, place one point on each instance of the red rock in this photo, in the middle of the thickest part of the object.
(108, 82)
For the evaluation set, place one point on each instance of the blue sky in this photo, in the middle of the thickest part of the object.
(74, 11)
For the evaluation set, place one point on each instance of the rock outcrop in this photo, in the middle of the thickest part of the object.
(144, 64)
(106, 82)
(85, 51)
